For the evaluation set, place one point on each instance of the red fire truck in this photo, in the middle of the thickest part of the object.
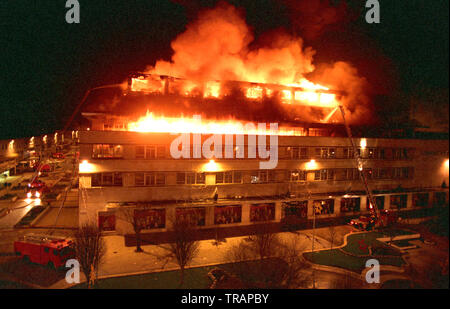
(46, 250)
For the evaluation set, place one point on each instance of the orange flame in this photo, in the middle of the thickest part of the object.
(161, 124)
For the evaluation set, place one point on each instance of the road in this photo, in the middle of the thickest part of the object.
(19, 208)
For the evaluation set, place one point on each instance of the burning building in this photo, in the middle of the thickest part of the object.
(127, 160)
(216, 88)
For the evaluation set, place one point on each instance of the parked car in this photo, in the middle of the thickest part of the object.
(58, 155)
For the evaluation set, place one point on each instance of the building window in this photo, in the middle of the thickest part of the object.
(237, 177)
(149, 179)
(161, 152)
(106, 151)
(326, 153)
(140, 152)
(398, 201)
(325, 174)
(149, 219)
(299, 152)
(383, 173)
(440, 199)
(190, 178)
(263, 176)
(297, 175)
(420, 200)
(262, 212)
(194, 215)
(378, 199)
(323, 207)
(106, 221)
(351, 173)
(146, 152)
(397, 153)
(181, 178)
(372, 153)
(186, 178)
(219, 178)
(200, 178)
(160, 179)
(350, 204)
(139, 179)
(296, 209)
(106, 179)
(227, 214)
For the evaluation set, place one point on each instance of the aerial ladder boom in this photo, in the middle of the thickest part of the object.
(373, 205)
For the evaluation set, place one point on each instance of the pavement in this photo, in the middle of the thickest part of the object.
(124, 261)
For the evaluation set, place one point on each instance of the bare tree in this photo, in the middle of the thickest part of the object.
(132, 216)
(332, 232)
(281, 267)
(184, 246)
(90, 250)
(264, 241)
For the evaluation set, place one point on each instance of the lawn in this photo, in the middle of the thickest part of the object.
(357, 264)
(358, 247)
(194, 278)
(11, 285)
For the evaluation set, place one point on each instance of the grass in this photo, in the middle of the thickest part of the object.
(30, 216)
(399, 284)
(358, 246)
(401, 243)
(194, 278)
(356, 264)
(11, 285)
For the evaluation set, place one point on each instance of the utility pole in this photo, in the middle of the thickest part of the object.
(313, 237)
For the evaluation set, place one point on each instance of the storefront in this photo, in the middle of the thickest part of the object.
(262, 212)
(227, 214)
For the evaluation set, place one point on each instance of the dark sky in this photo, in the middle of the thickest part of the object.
(47, 64)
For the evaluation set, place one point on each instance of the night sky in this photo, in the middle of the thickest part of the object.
(47, 64)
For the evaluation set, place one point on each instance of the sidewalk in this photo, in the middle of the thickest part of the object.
(124, 261)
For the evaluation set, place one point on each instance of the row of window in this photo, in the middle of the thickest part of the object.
(155, 218)
(149, 219)
(260, 176)
(102, 151)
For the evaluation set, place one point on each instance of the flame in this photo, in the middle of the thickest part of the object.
(303, 93)
(161, 124)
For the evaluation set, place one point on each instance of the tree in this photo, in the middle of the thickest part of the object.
(281, 267)
(264, 260)
(332, 234)
(132, 216)
(264, 241)
(184, 246)
(90, 250)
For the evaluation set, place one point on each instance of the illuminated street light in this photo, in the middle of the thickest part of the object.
(211, 166)
(363, 143)
(86, 167)
(311, 165)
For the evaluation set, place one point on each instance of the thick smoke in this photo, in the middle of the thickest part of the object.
(219, 45)
(216, 47)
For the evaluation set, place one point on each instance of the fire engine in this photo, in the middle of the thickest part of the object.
(36, 189)
(45, 250)
(367, 223)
